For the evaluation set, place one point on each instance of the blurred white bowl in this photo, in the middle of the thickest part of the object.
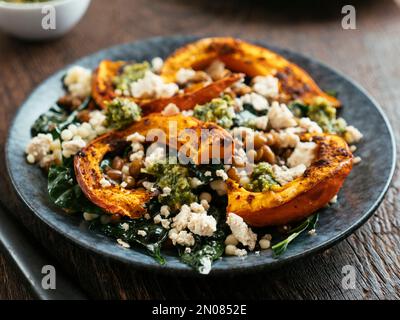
(24, 20)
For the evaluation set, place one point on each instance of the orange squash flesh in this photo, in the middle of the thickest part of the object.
(103, 90)
(126, 202)
(301, 197)
(252, 60)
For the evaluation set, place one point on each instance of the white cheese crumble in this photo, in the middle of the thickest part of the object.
(309, 125)
(258, 102)
(352, 135)
(182, 238)
(170, 110)
(304, 153)
(70, 148)
(142, 233)
(184, 75)
(286, 138)
(105, 183)
(232, 250)
(152, 86)
(222, 174)
(154, 155)
(268, 86)
(44, 150)
(202, 224)
(156, 64)
(78, 81)
(241, 230)
(285, 175)
(280, 116)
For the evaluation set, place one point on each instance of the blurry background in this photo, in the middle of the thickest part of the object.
(369, 54)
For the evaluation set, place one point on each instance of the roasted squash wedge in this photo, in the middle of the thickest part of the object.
(131, 203)
(252, 60)
(301, 197)
(103, 90)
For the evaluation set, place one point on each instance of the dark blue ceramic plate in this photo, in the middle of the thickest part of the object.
(361, 195)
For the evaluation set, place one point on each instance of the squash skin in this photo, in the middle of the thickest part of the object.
(252, 60)
(125, 202)
(103, 90)
(301, 197)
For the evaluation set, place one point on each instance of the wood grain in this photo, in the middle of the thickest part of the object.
(368, 54)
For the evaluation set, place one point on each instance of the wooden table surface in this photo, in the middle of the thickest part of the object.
(370, 55)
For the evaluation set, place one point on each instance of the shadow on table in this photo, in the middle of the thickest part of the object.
(282, 11)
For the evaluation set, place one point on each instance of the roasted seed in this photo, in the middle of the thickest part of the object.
(117, 163)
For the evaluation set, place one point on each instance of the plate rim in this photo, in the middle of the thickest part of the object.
(184, 269)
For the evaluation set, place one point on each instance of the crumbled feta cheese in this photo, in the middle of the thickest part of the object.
(260, 123)
(123, 244)
(241, 230)
(166, 192)
(231, 250)
(310, 126)
(164, 211)
(219, 186)
(268, 86)
(357, 160)
(222, 174)
(136, 138)
(304, 153)
(97, 120)
(152, 86)
(312, 232)
(352, 135)
(154, 155)
(105, 183)
(125, 226)
(142, 233)
(187, 113)
(205, 204)
(286, 138)
(353, 148)
(70, 148)
(39, 148)
(334, 200)
(66, 135)
(184, 75)
(157, 64)
(207, 174)
(181, 220)
(280, 116)
(202, 224)
(197, 208)
(149, 186)
(78, 81)
(139, 155)
(285, 175)
(182, 238)
(258, 102)
(170, 110)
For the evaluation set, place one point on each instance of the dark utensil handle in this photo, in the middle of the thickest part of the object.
(25, 253)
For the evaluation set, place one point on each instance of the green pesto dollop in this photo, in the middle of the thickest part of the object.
(218, 110)
(122, 112)
(175, 177)
(322, 113)
(262, 178)
(130, 73)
